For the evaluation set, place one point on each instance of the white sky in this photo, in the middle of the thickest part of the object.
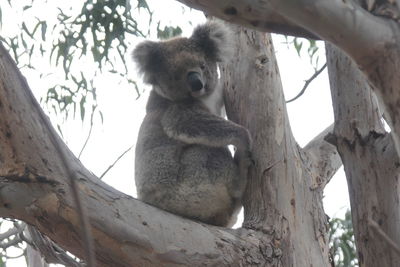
(308, 115)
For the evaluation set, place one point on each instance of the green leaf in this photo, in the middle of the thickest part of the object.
(26, 30)
(2, 261)
(82, 107)
(44, 29)
(101, 117)
(142, 4)
(168, 32)
(297, 45)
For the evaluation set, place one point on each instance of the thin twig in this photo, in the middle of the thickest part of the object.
(10, 232)
(115, 162)
(380, 232)
(89, 134)
(11, 243)
(307, 83)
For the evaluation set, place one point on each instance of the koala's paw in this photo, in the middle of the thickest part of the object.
(243, 140)
(244, 160)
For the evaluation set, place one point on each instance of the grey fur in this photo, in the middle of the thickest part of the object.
(182, 161)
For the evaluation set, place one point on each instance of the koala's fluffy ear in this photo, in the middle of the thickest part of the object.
(215, 39)
(148, 56)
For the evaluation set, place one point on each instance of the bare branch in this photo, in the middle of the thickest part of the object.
(11, 243)
(257, 15)
(50, 250)
(341, 22)
(89, 134)
(115, 162)
(307, 83)
(12, 237)
(11, 232)
(324, 157)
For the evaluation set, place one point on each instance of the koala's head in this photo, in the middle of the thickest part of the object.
(185, 67)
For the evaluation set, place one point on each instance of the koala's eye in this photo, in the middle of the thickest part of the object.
(202, 65)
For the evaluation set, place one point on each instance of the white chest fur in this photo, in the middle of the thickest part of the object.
(215, 102)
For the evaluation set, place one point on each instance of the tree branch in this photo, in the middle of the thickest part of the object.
(343, 23)
(324, 158)
(50, 250)
(115, 162)
(257, 15)
(12, 231)
(307, 83)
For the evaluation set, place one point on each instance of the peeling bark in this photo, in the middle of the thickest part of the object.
(370, 161)
(324, 158)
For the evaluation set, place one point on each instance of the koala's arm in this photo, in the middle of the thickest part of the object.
(195, 126)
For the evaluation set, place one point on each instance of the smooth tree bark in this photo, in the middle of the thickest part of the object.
(284, 221)
(370, 162)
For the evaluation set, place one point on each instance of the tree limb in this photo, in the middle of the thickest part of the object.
(257, 15)
(324, 158)
(50, 250)
(307, 83)
(115, 162)
(12, 231)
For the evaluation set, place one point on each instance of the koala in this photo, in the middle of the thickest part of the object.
(183, 164)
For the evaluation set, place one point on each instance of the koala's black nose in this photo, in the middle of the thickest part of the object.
(194, 80)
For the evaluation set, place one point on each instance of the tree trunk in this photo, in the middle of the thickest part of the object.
(284, 192)
(370, 162)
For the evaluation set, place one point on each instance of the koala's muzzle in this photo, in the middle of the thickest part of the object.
(195, 81)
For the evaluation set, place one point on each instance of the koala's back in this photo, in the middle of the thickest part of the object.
(191, 180)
